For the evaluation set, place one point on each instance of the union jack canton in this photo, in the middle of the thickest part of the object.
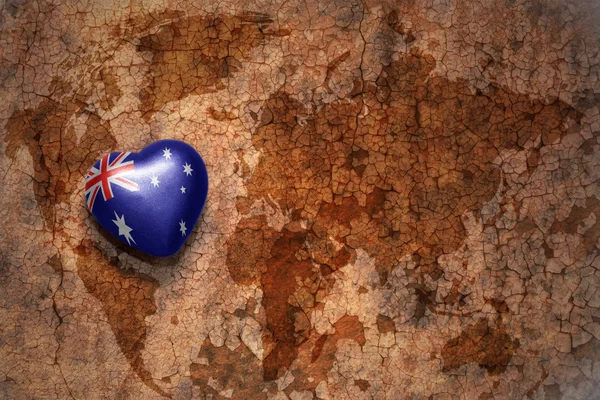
(101, 179)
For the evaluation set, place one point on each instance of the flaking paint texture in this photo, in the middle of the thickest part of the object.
(404, 200)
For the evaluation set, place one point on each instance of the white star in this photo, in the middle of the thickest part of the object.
(123, 228)
(187, 168)
(155, 181)
(182, 228)
(167, 153)
(182, 189)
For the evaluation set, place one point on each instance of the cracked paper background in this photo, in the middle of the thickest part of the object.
(404, 200)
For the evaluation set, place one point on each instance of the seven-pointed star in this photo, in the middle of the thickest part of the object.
(123, 228)
(120, 222)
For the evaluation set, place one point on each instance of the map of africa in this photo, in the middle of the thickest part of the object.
(404, 200)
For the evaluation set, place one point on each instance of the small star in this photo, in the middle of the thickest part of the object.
(155, 181)
(167, 153)
(182, 228)
(123, 228)
(182, 190)
(187, 168)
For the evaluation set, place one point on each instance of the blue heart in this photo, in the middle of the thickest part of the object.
(150, 200)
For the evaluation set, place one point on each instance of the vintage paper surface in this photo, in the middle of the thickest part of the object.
(404, 200)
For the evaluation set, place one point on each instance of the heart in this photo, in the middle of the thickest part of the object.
(150, 200)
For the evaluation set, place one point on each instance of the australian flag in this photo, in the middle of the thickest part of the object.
(151, 200)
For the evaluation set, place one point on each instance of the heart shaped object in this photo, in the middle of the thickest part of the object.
(150, 200)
